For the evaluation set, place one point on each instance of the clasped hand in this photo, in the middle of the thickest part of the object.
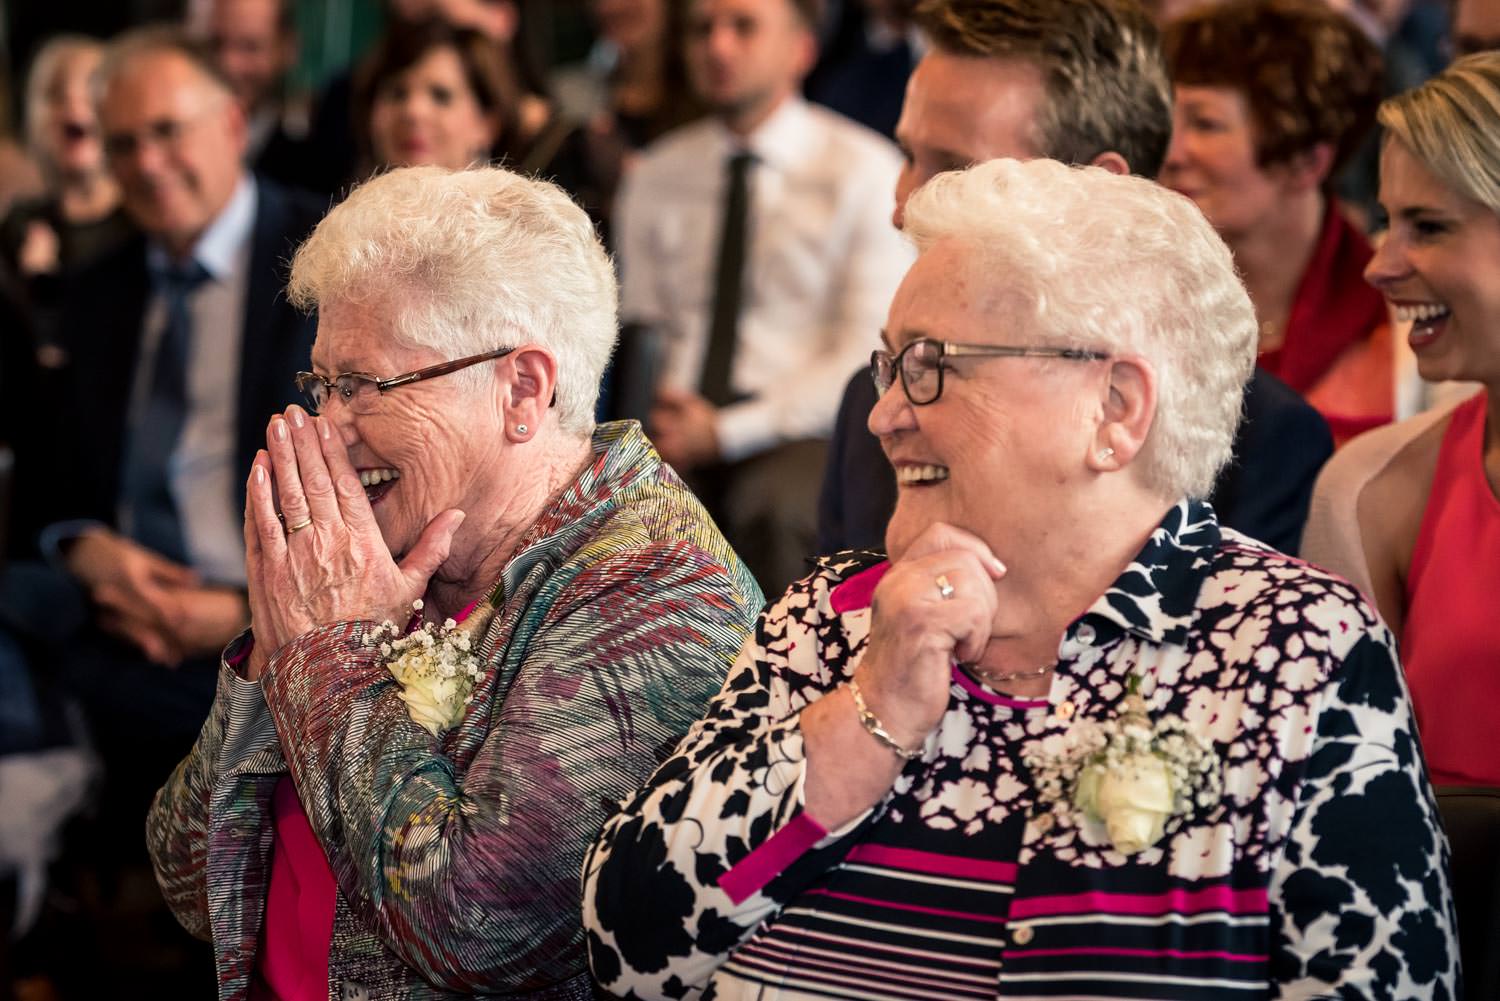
(156, 604)
(919, 628)
(335, 566)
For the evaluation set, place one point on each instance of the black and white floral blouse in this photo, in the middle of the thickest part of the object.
(1321, 873)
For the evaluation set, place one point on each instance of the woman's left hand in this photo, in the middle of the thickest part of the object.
(324, 560)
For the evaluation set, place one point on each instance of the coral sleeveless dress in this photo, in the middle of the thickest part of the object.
(1451, 643)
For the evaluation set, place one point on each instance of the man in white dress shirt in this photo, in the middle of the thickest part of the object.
(756, 243)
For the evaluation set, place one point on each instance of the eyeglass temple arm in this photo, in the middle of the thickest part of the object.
(437, 370)
(1080, 354)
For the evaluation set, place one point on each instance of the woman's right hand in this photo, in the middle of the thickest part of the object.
(904, 677)
(917, 633)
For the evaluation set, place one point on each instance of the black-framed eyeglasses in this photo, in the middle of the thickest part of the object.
(361, 391)
(921, 363)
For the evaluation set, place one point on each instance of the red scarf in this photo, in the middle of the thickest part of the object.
(1334, 307)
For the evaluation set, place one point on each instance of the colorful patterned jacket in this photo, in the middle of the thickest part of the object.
(1322, 871)
(457, 858)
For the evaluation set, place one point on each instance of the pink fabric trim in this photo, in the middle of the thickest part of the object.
(771, 859)
(988, 919)
(1233, 957)
(977, 690)
(912, 860)
(858, 591)
(1213, 898)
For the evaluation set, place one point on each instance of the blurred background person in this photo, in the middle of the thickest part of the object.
(756, 244)
(632, 89)
(1476, 26)
(1271, 97)
(866, 80)
(254, 43)
(438, 93)
(434, 95)
(634, 81)
(78, 217)
(179, 346)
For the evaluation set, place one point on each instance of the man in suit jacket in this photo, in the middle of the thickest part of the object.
(1081, 82)
(175, 138)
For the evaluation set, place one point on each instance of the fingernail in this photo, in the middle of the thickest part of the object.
(278, 428)
(260, 473)
(324, 429)
(296, 413)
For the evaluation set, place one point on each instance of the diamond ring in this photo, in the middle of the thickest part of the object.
(945, 588)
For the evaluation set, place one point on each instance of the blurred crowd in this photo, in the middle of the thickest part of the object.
(743, 161)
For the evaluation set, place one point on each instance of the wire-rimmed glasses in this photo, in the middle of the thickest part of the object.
(921, 363)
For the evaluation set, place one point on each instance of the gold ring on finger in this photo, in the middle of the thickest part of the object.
(299, 526)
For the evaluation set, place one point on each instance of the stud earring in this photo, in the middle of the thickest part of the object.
(520, 429)
(1104, 454)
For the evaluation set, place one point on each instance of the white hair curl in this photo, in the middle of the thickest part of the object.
(467, 261)
(1118, 264)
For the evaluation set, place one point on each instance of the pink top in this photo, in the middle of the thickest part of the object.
(293, 957)
(292, 961)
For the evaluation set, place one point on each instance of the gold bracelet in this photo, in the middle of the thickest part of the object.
(874, 728)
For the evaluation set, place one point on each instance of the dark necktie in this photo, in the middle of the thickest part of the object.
(729, 280)
(153, 517)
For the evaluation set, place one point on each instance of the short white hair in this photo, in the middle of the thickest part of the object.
(468, 261)
(1119, 264)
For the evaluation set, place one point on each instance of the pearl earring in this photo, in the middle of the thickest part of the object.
(1105, 454)
(520, 429)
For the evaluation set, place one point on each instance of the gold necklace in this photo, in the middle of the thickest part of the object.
(992, 678)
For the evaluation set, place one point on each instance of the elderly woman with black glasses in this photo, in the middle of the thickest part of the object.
(477, 618)
(1072, 738)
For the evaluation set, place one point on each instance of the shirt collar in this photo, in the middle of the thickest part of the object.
(622, 455)
(220, 243)
(1156, 596)
(780, 141)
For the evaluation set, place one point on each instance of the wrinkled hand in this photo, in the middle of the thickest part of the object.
(683, 429)
(132, 589)
(916, 634)
(338, 568)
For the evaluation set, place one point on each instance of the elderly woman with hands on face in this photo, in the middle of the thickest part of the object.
(1073, 738)
(477, 617)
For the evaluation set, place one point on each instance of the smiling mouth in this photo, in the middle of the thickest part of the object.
(378, 481)
(913, 475)
(1427, 319)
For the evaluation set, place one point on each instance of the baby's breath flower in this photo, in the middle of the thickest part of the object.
(434, 667)
(1130, 773)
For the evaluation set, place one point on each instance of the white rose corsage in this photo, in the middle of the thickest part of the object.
(435, 666)
(1130, 773)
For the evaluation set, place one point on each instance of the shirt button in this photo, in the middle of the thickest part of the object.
(1022, 935)
(1086, 634)
(1065, 710)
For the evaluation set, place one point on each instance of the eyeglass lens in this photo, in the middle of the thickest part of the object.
(358, 393)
